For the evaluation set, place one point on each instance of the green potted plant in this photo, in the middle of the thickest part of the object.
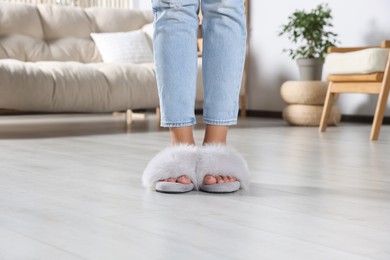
(310, 32)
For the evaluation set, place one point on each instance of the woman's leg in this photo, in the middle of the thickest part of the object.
(175, 54)
(176, 25)
(224, 45)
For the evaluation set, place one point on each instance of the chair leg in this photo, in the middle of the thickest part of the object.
(380, 111)
(129, 116)
(327, 109)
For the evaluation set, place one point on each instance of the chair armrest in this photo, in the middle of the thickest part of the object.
(386, 44)
(349, 49)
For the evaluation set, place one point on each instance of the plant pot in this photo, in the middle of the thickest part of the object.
(310, 69)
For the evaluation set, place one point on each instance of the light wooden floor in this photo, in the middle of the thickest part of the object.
(70, 188)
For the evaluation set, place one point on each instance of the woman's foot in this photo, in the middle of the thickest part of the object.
(221, 169)
(164, 171)
(216, 135)
(211, 179)
(181, 135)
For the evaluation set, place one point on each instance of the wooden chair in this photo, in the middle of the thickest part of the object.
(374, 83)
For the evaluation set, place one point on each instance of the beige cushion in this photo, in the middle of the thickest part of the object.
(73, 86)
(357, 62)
(71, 49)
(26, 48)
(307, 115)
(63, 21)
(21, 19)
(21, 47)
(117, 20)
(76, 87)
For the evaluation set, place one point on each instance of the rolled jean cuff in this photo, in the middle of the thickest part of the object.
(178, 124)
(220, 122)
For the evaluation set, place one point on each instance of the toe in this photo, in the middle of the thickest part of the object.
(184, 180)
(220, 179)
(232, 179)
(209, 180)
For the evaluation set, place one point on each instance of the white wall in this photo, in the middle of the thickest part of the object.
(142, 4)
(358, 23)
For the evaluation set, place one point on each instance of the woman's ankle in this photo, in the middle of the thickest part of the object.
(215, 134)
(182, 135)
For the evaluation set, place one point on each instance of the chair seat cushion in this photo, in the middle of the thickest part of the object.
(357, 62)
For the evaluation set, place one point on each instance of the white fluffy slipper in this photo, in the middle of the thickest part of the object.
(219, 159)
(172, 162)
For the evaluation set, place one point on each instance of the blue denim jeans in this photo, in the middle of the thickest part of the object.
(175, 55)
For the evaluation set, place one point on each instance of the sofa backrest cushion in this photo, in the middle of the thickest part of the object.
(21, 19)
(60, 33)
(60, 22)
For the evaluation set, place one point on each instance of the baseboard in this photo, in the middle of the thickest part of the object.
(363, 119)
(344, 118)
(250, 113)
(264, 114)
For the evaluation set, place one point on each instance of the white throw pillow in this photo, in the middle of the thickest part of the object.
(129, 47)
(148, 30)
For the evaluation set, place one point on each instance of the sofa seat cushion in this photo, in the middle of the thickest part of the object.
(357, 62)
(76, 87)
(53, 86)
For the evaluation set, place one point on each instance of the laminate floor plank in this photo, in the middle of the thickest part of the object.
(14, 246)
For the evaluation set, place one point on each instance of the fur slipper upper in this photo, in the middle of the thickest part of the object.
(172, 162)
(219, 159)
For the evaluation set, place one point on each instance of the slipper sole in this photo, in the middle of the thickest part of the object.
(221, 187)
(173, 187)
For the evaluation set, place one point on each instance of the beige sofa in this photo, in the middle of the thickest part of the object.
(49, 62)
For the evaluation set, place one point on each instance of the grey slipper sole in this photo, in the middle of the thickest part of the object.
(221, 187)
(173, 187)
